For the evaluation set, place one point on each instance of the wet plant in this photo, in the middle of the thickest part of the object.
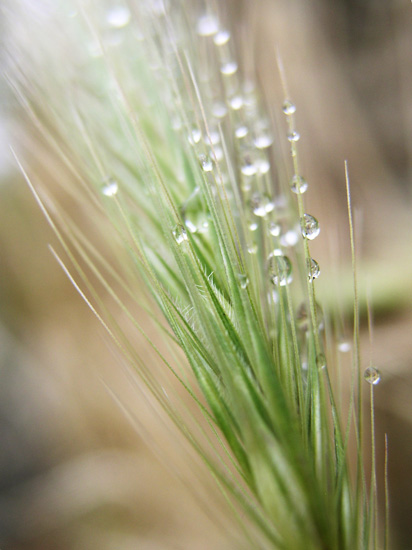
(167, 135)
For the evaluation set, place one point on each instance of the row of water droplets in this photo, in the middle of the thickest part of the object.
(251, 141)
(249, 147)
(310, 230)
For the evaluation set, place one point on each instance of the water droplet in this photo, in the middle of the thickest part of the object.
(221, 38)
(213, 138)
(344, 346)
(241, 132)
(280, 270)
(207, 25)
(313, 269)
(261, 205)
(229, 68)
(206, 163)
(298, 185)
(310, 227)
(263, 165)
(118, 16)
(179, 233)
(176, 123)
(321, 361)
(218, 154)
(303, 317)
(190, 226)
(290, 238)
(294, 136)
(274, 229)
(288, 107)
(243, 280)
(263, 141)
(252, 248)
(219, 110)
(253, 226)
(194, 136)
(110, 188)
(372, 376)
(248, 168)
(236, 102)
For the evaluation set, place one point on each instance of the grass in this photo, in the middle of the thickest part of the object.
(167, 139)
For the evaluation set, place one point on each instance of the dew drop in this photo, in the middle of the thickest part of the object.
(243, 280)
(372, 376)
(280, 270)
(261, 205)
(303, 317)
(229, 68)
(236, 102)
(219, 110)
(207, 25)
(293, 136)
(190, 226)
(248, 168)
(241, 132)
(263, 141)
(110, 188)
(290, 238)
(310, 227)
(264, 166)
(218, 154)
(179, 233)
(274, 229)
(298, 185)
(252, 248)
(206, 163)
(213, 138)
(118, 16)
(221, 38)
(344, 346)
(313, 269)
(321, 361)
(195, 136)
(288, 107)
(253, 226)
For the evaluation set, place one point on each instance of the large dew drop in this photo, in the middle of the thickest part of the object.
(372, 376)
(298, 185)
(280, 270)
(310, 227)
(110, 188)
(313, 269)
(179, 233)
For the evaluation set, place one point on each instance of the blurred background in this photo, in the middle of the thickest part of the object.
(74, 471)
